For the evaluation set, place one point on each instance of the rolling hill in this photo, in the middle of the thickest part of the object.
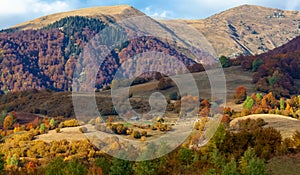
(247, 29)
(42, 53)
(118, 12)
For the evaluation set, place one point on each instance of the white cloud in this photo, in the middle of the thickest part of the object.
(157, 13)
(16, 11)
(26, 7)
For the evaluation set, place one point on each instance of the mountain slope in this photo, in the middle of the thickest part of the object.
(103, 13)
(46, 57)
(276, 70)
(247, 29)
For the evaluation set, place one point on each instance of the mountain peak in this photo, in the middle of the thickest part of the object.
(117, 12)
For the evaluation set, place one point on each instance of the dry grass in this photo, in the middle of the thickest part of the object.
(286, 125)
(271, 32)
(284, 165)
(118, 12)
(70, 134)
(252, 23)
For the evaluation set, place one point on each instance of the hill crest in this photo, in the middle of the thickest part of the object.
(115, 12)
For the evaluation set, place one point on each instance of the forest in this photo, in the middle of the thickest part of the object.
(46, 58)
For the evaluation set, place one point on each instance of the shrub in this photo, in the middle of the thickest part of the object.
(70, 123)
(52, 122)
(144, 133)
(75, 168)
(136, 134)
(231, 168)
(225, 61)
(42, 128)
(185, 155)
(104, 164)
(174, 96)
(256, 63)
(98, 120)
(8, 122)
(197, 125)
(250, 164)
(2, 162)
(59, 167)
(12, 161)
(143, 138)
(83, 129)
(146, 167)
(240, 94)
(248, 104)
(120, 166)
(57, 130)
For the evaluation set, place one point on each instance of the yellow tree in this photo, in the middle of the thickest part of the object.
(8, 122)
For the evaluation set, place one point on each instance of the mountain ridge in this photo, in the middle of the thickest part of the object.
(248, 29)
(116, 12)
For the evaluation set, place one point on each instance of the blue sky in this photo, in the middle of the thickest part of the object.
(13, 12)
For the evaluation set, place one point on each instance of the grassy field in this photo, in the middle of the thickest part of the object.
(234, 76)
(286, 125)
(284, 165)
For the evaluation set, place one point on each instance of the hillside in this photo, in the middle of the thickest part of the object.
(286, 125)
(46, 56)
(277, 70)
(247, 29)
(103, 13)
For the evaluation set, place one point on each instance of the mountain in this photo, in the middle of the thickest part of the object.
(42, 53)
(247, 29)
(103, 13)
(276, 71)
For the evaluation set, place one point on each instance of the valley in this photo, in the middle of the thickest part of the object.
(59, 113)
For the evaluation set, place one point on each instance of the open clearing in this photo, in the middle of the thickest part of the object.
(234, 77)
(179, 132)
(286, 125)
(70, 134)
(284, 165)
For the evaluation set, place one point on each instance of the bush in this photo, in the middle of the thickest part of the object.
(104, 164)
(144, 133)
(2, 162)
(174, 96)
(52, 122)
(8, 122)
(120, 166)
(12, 160)
(256, 63)
(143, 138)
(225, 61)
(249, 102)
(59, 167)
(57, 130)
(136, 134)
(75, 168)
(240, 94)
(42, 128)
(70, 123)
(83, 129)
(250, 164)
